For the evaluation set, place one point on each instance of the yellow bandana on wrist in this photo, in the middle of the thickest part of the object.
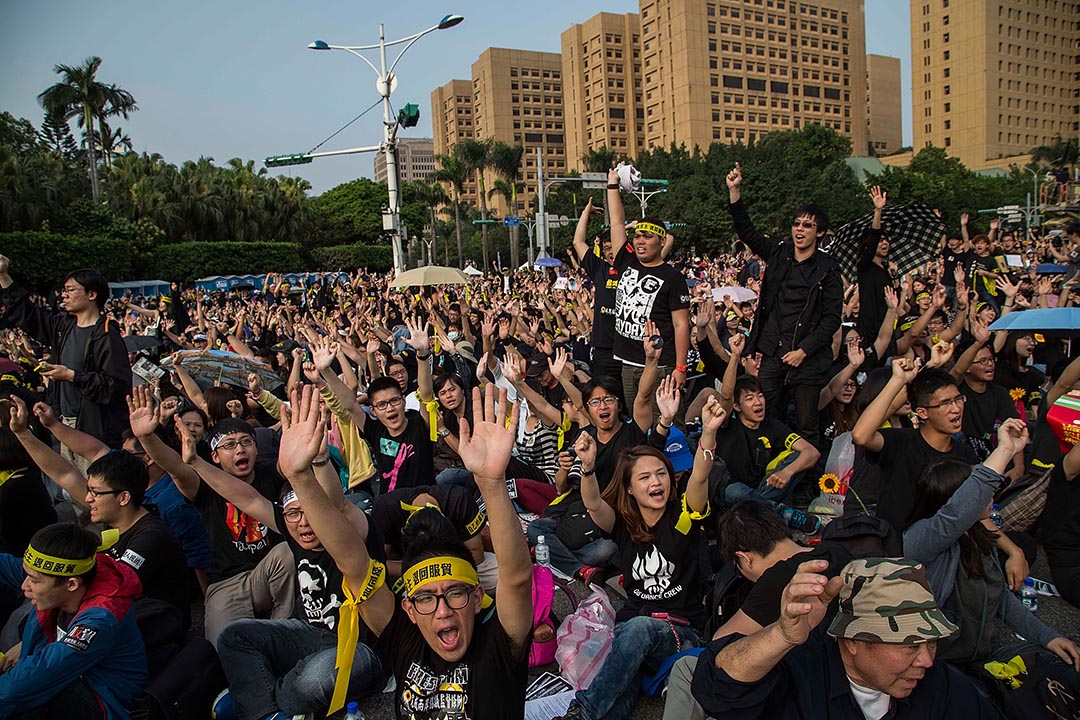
(441, 568)
(67, 567)
(6, 475)
(687, 516)
(432, 407)
(652, 228)
(349, 629)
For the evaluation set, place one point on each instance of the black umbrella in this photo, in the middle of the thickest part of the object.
(914, 233)
(135, 343)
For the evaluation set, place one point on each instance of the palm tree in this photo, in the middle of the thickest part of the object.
(598, 159)
(1060, 152)
(506, 162)
(432, 195)
(80, 95)
(112, 142)
(454, 173)
(476, 154)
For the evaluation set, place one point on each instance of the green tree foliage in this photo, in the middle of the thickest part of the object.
(379, 258)
(41, 259)
(189, 261)
(350, 212)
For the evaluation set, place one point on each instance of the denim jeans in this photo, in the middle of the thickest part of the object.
(288, 665)
(776, 498)
(598, 552)
(456, 476)
(638, 642)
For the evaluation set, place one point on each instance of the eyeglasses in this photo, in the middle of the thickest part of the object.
(98, 493)
(66, 290)
(399, 371)
(455, 598)
(803, 223)
(293, 516)
(605, 400)
(391, 403)
(958, 401)
(985, 361)
(232, 444)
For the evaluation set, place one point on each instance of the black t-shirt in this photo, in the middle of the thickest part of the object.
(608, 454)
(663, 575)
(872, 307)
(403, 460)
(25, 508)
(903, 456)
(748, 452)
(605, 280)
(762, 605)
(647, 293)
(952, 259)
(983, 414)
(1061, 520)
(456, 504)
(1023, 386)
(150, 549)
(985, 286)
(487, 684)
(237, 541)
(73, 356)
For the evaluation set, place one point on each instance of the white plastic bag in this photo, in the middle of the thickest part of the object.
(584, 639)
(841, 463)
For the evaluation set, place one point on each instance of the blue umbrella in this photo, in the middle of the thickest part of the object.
(548, 262)
(1057, 322)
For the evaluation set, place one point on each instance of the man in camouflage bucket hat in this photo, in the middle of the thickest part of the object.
(875, 661)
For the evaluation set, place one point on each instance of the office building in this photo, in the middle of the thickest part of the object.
(884, 118)
(601, 67)
(416, 161)
(992, 80)
(451, 121)
(729, 70)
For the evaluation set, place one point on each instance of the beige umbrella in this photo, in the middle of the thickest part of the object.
(430, 275)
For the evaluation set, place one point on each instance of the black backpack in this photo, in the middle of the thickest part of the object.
(186, 688)
(864, 536)
(729, 591)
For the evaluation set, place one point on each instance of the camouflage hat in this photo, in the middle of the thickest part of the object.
(888, 600)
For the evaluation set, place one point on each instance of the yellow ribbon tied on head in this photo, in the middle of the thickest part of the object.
(68, 567)
(349, 629)
(687, 516)
(413, 509)
(437, 569)
(651, 228)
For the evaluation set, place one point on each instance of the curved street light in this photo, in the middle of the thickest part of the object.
(385, 84)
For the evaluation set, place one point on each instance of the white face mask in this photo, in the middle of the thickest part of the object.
(453, 335)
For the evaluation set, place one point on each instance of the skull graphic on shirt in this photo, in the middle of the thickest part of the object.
(654, 571)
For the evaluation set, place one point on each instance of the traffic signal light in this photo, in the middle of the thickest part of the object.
(409, 115)
(283, 160)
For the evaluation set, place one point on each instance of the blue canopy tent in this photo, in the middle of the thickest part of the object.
(227, 282)
(139, 287)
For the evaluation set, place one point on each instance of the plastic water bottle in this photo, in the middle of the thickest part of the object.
(1028, 596)
(352, 712)
(995, 515)
(543, 552)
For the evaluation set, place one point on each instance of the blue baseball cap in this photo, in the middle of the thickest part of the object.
(678, 450)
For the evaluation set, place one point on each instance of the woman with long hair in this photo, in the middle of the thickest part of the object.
(1024, 383)
(659, 537)
(949, 531)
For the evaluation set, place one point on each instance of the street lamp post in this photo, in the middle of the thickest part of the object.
(385, 84)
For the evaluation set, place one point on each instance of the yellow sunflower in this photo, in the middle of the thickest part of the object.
(1017, 394)
(829, 484)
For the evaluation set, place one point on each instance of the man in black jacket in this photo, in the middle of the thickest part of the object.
(88, 368)
(799, 310)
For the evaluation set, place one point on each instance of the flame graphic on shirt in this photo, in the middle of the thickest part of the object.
(243, 526)
(654, 571)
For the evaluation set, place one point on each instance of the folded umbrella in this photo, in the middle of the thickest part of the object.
(914, 233)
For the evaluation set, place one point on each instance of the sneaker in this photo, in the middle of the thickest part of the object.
(802, 521)
(223, 708)
(589, 574)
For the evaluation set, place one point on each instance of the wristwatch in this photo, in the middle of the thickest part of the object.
(444, 432)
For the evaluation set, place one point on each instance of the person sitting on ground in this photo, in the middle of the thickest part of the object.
(82, 655)
(766, 458)
(950, 532)
(296, 656)
(875, 660)
(659, 540)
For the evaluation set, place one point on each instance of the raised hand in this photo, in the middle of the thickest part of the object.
(254, 384)
(964, 218)
(485, 447)
(980, 332)
(557, 364)
(513, 367)
(856, 355)
(19, 416)
(303, 432)
(1006, 286)
(940, 353)
(45, 415)
(805, 600)
(1012, 435)
(323, 352)
(585, 446)
(878, 196)
(188, 452)
(652, 348)
(737, 344)
(143, 414)
(668, 398)
(904, 369)
(713, 414)
(734, 178)
(891, 300)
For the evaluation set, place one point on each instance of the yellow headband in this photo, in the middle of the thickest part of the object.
(65, 567)
(437, 569)
(653, 228)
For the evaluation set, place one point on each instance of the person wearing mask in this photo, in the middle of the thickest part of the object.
(799, 310)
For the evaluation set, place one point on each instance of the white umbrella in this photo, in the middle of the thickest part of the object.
(735, 292)
(430, 275)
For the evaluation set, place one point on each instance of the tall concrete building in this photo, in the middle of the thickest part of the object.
(731, 70)
(993, 79)
(884, 119)
(452, 121)
(518, 100)
(416, 161)
(601, 67)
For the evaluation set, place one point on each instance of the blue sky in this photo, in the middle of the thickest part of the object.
(234, 78)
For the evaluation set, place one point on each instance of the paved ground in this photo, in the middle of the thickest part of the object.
(1055, 612)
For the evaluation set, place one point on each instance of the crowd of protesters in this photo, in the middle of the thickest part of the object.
(355, 516)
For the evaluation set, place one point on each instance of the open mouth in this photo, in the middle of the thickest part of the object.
(657, 494)
(307, 536)
(603, 416)
(448, 638)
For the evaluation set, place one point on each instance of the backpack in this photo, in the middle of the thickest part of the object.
(186, 688)
(729, 591)
(542, 652)
(864, 536)
(574, 526)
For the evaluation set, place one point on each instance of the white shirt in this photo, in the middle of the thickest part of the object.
(873, 703)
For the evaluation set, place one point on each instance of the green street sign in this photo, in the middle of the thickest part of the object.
(283, 160)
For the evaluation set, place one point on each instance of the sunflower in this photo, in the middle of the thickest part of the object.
(1017, 394)
(829, 484)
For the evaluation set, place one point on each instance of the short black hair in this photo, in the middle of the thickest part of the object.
(443, 379)
(429, 534)
(70, 542)
(1073, 229)
(93, 282)
(122, 471)
(383, 383)
(926, 383)
(745, 384)
(820, 215)
(228, 426)
(608, 384)
(750, 526)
